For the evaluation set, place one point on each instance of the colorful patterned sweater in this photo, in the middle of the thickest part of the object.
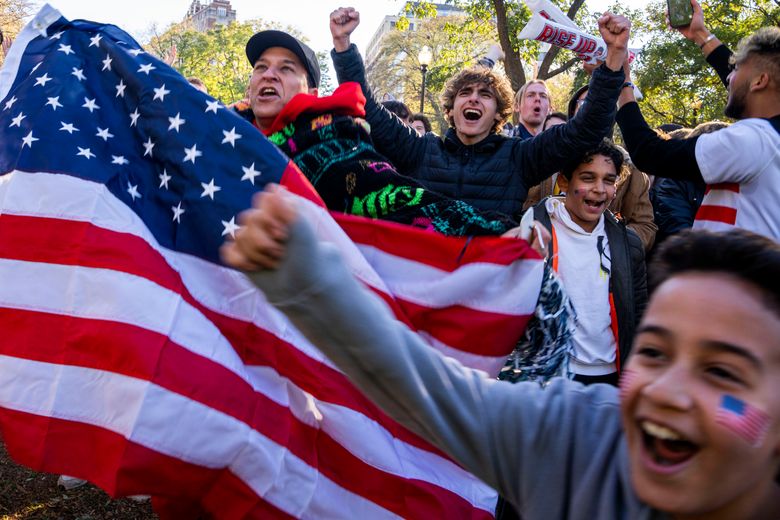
(329, 141)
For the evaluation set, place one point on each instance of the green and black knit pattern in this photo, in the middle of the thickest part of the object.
(336, 154)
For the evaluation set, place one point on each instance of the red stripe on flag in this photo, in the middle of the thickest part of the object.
(80, 243)
(169, 366)
(104, 457)
(717, 214)
(488, 334)
(433, 249)
(727, 186)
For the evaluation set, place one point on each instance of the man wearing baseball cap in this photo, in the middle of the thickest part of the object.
(283, 67)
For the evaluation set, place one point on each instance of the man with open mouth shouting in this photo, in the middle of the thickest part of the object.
(472, 161)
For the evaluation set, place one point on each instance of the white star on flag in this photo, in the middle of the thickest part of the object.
(119, 159)
(17, 121)
(120, 88)
(56, 36)
(79, 73)
(10, 102)
(177, 212)
(230, 228)
(85, 152)
(230, 137)
(164, 178)
(107, 63)
(146, 69)
(42, 80)
(54, 102)
(95, 41)
(29, 139)
(212, 106)
(160, 93)
(190, 154)
(68, 127)
(250, 173)
(133, 191)
(103, 133)
(209, 189)
(66, 49)
(135, 52)
(90, 104)
(134, 115)
(176, 122)
(148, 146)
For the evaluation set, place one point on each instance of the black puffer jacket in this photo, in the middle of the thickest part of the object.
(628, 278)
(495, 173)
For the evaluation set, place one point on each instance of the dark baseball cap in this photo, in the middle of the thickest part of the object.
(263, 40)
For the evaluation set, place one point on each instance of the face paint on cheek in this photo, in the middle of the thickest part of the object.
(742, 419)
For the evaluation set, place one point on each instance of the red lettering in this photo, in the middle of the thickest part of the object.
(590, 47)
(547, 34)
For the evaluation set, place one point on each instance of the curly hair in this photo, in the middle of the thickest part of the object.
(498, 83)
(606, 148)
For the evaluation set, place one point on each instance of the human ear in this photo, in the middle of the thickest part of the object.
(760, 82)
(563, 183)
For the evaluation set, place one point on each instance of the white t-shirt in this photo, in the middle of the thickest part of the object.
(741, 166)
(580, 262)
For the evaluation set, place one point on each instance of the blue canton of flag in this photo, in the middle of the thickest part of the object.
(88, 101)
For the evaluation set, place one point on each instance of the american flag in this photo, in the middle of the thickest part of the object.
(130, 357)
(743, 419)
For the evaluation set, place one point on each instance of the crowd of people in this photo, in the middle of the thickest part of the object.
(672, 407)
(692, 361)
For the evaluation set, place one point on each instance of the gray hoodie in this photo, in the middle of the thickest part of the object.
(557, 452)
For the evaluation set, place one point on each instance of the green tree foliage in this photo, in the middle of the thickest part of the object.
(396, 68)
(218, 56)
(502, 21)
(679, 86)
(12, 14)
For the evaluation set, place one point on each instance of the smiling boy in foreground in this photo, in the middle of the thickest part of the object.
(694, 433)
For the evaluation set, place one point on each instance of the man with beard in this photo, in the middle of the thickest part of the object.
(472, 161)
(740, 164)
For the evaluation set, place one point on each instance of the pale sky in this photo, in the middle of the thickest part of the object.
(309, 16)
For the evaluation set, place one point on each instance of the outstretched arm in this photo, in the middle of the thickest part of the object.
(392, 138)
(509, 436)
(714, 51)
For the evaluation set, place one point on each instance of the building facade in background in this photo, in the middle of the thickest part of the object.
(204, 16)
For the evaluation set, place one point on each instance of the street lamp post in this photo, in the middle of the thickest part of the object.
(424, 57)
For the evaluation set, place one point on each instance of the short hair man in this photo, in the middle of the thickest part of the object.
(283, 66)
(532, 105)
(694, 431)
(472, 161)
(740, 163)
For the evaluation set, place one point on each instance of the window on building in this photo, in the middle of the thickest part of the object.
(221, 11)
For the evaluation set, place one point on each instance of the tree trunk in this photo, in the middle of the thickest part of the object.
(512, 62)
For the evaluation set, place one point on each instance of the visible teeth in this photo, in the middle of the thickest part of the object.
(469, 111)
(662, 432)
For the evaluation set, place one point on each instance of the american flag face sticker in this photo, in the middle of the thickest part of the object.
(742, 419)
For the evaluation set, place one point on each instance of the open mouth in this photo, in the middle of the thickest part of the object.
(595, 204)
(268, 92)
(472, 114)
(665, 446)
